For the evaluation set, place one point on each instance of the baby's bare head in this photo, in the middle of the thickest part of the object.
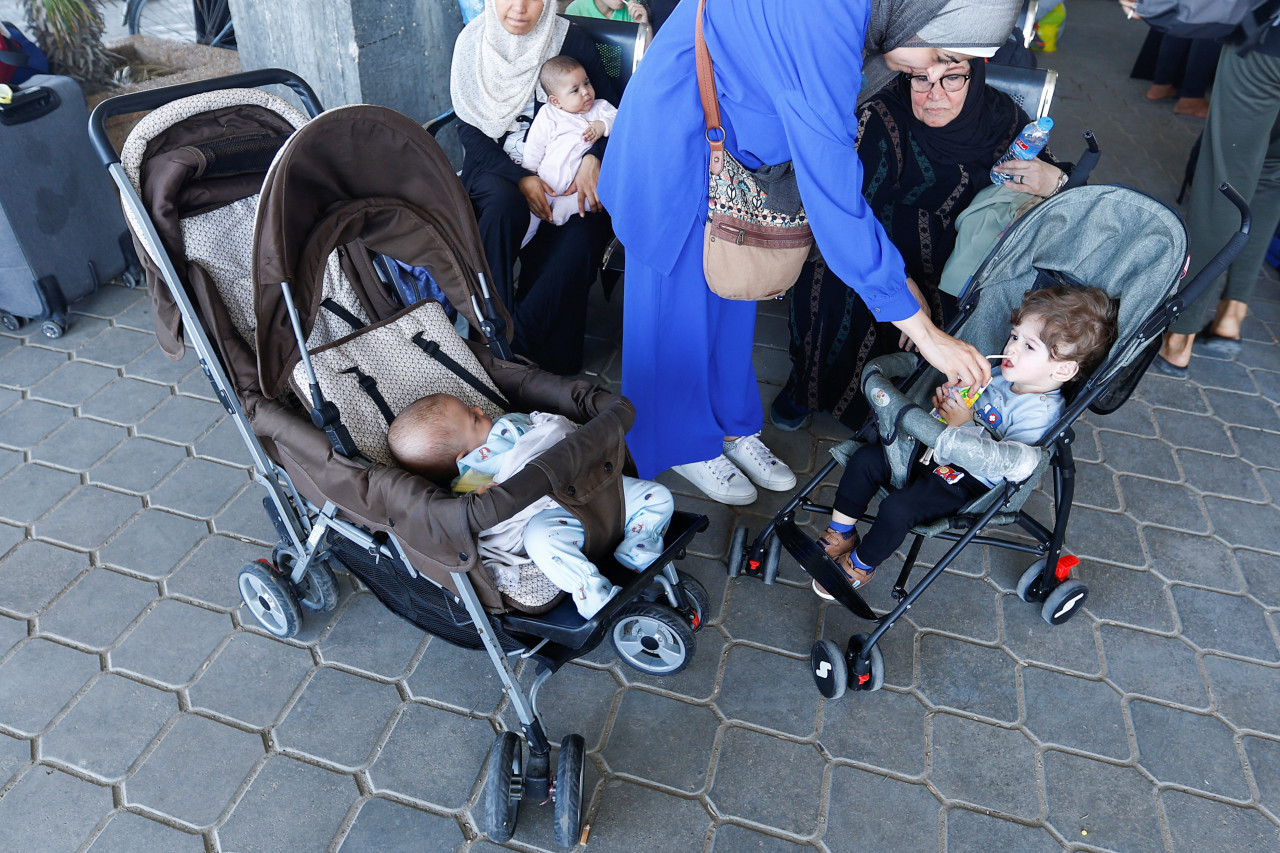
(557, 74)
(433, 432)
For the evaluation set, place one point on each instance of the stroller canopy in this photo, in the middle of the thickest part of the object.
(357, 175)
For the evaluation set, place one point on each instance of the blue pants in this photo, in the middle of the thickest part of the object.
(553, 540)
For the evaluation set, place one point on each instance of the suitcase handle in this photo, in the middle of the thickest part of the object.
(149, 99)
(29, 105)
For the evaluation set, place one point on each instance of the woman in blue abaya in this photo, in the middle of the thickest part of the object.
(788, 76)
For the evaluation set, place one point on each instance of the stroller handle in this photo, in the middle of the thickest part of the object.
(1223, 259)
(151, 98)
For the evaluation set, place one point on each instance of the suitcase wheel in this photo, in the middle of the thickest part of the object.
(52, 329)
(9, 321)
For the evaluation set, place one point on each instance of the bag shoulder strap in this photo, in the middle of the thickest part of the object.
(707, 92)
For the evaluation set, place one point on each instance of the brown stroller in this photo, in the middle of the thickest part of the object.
(286, 249)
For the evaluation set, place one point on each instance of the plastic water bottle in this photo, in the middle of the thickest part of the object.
(1029, 143)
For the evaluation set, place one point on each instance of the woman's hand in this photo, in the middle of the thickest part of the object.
(958, 361)
(535, 192)
(1031, 176)
(638, 12)
(904, 342)
(584, 184)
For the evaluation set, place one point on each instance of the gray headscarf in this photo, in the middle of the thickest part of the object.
(973, 27)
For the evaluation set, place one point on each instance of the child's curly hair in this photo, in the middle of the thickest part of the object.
(1079, 323)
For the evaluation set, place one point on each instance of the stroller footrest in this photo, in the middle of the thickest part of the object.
(813, 560)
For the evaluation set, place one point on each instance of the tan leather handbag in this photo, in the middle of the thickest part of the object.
(749, 251)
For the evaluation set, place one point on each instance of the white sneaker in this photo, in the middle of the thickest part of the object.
(758, 462)
(720, 480)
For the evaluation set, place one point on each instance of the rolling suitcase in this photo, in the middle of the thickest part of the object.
(62, 233)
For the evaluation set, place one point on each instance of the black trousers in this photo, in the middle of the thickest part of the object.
(926, 497)
(556, 270)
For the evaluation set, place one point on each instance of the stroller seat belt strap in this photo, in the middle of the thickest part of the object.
(432, 348)
(370, 386)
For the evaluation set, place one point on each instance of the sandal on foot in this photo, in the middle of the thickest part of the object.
(1167, 368)
(1216, 345)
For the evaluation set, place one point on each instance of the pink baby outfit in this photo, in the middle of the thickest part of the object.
(554, 149)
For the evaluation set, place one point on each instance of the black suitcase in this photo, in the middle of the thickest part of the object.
(62, 233)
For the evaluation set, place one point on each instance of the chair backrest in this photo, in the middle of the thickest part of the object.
(621, 44)
(1030, 88)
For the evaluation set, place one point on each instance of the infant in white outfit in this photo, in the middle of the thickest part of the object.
(562, 132)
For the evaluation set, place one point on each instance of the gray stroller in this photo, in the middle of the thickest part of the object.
(1129, 244)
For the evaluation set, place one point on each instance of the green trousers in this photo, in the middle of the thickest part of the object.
(1241, 146)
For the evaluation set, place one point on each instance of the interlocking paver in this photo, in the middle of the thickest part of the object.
(156, 366)
(224, 444)
(370, 637)
(182, 419)
(870, 812)
(795, 770)
(38, 680)
(1151, 665)
(1246, 694)
(50, 810)
(1227, 623)
(730, 838)
(199, 487)
(1224, 375)
(1196, 559)
(1078, 714)
(115, 347)
(277, 669)
(195, 792)
(388, 827)
(153, 542)
(26, 423)
(1196, 823)
(970, 678)
(1006, 756)
(579, 700)
(1264, 759)
(11, 632)
(1246, 524)
(662, 740)
(209, 574)
(73, 383)
(791, 707)
(172, 643)
(1256, 447)
(25, 366)
(138, 465)
(780, 616)
(34, 573)
(319, 798)
(430, 756)
(125, 400)
(132, 833)
(1194, 432)
(958, 605)
(1188, 749)
(15, 755)
(1220, 475)
(1115, 805)
(1128, 454)
(244, 517)
(1170, 503)
(88, 517)
(625, 821)
(884, 730)
(320, 723)
(1096, 487)
(10, 459)
(79, 444)
(1248, 410)
(1128, 597)
(97, 608)
(107, 729)
(973, 832)
(1260, 576)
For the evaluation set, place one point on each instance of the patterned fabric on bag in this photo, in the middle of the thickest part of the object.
(735, 192)
(402, 371)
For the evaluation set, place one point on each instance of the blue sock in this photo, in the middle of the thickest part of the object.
(857, 561)
(840, 528)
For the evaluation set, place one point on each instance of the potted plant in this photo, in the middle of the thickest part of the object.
(70, 34)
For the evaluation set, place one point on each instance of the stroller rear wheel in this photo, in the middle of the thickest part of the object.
(737, 551)
(653, 638)
(270, 598)
(873, 679)
(1064, 602)
(502, 787)
(318, 589)
(568, 794)
(1025, 589)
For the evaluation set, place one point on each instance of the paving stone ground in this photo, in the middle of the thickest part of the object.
(141, 709)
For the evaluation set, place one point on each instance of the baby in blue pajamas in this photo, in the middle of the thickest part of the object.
(439, 435)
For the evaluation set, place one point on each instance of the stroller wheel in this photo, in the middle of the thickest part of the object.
(568, 795)
(317, 591)
(874, 678)
(771, 558)
(1028, 578)
(699, 597)
(827, 665)
(9, 321)
(1063, 603)
(737, 550)
(270, 598)
(653, 638)
(502, 787)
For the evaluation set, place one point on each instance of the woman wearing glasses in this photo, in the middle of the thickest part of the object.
(926, 148)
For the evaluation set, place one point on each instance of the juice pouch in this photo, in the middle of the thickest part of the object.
(967, 395)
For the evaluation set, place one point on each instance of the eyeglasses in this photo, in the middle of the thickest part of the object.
(950, 83)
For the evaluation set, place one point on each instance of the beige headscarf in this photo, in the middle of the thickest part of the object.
(495, 73)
